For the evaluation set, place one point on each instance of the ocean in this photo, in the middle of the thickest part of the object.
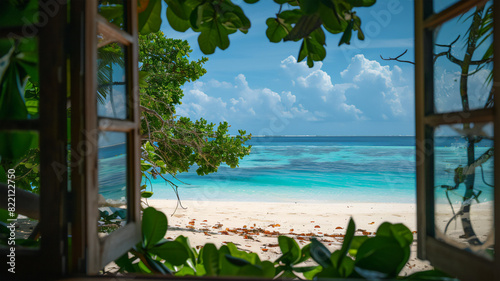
(312, 169)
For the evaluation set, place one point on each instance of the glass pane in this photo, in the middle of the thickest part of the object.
(24, 12)
(464, 180)
(113, 11)
(111, 79)
(440, 5)
(463, 53)
(112, 181)
(19, 79)
(19, 189)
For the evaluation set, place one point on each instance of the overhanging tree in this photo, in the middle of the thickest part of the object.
(172, 144)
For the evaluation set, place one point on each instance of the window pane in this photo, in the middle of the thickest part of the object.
(464, 193)
(111, 78)
(112, 181)
(463, 53)
(16, 13)
(19, 88)
(440, 5)
(19, 193)
(113, 11)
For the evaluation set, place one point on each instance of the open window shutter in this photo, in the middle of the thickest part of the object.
(105, 133)
(49, 127)
(457, 127)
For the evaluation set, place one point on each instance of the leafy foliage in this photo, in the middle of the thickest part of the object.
(19, 97)
(173, 144)
(360, 257)
(216, 20)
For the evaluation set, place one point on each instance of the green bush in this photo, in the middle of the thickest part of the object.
(380, 257)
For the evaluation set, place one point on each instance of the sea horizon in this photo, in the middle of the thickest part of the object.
(327, 169)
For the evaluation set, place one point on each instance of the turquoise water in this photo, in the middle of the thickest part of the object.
(310, 169)
(313, 169)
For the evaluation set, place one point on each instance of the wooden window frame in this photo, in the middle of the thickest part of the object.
(51, 127)
(457, 262)
(91, 253)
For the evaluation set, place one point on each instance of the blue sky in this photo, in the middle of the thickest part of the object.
(259, 87)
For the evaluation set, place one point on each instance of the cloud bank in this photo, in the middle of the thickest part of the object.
(307, 100)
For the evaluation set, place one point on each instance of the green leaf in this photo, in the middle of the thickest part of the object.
(250, 270)
(305, 253)
(302, 52)
(304, 27)
(346, 244)
(236, 261)
(291, 16)
(228, 264)
(145, 166)
(315, 50)
(7, 51)
(215, 35)
(177, 23)
(398, 231)
(113, 13)
(146, 194)
(154, 227)
(276, 29)
(177, 8)
(268, 270)
(304, 268)
(185, 271)
(251, 1)
(125, 263)
(211, 259)
(21, 13)
(310, 274)
(402, 234)
(184, 241)
(309, 6)
(157, 266)
(331, 20)
(328, 272)
(253, 258)
(346, 266)
(346, 37)
(143, 77)
(290, 250)
(14, 145)
(379, 256)
(320, 253)
(233, 18)
(12, 104)
(150, 19)
(357, 241)
(4, 214)
(200, 270)
(171, 251)
(28, 58)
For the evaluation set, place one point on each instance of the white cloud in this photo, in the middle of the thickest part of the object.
(244, 102)
(378, 87)
(196, 102)
(217, 84)
(364, 91)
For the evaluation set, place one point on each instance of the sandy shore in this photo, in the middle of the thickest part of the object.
(254, 226)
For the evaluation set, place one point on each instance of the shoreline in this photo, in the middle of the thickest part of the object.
(255, 226)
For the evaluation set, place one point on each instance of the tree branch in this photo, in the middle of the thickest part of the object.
(397, 58)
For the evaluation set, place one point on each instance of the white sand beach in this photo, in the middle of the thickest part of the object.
(255, 226)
